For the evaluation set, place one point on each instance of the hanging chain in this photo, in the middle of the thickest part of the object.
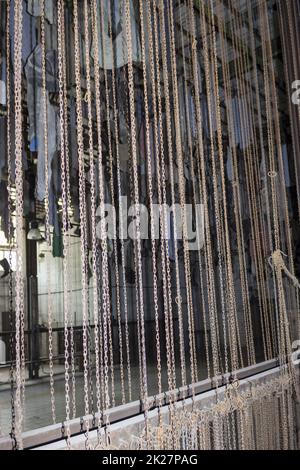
(110, 151)
(234, 337)
(162, 199)
(47, 223)
(82, 210)
(236, 421)
(274, 99)
(149, 179)
(136, 200)
(106, 272)
(45, 122)
(160, 182)
(180, 163)
(20, 369)
(170, 355)
(196, 187)
(10, 224)
(67, 189)
(115, 112)
(218, 220)
(236, 198)
(105, 289)
(93, 205)
(50, 341)
(60, 46)
(210, 276)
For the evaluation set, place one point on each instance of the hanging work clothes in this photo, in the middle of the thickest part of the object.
(265, 192)
(28, 27)
(121, 90)
(3, 145)
(2, 93)
(33, 71)
(29, 32)
(53, 213)
(2, 62)
(4, 215)
(34, 8)
(241, 122)
(113, 51)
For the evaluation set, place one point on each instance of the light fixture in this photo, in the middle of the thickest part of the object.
(34, 233)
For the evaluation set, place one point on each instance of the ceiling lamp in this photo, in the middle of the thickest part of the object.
(34, 233)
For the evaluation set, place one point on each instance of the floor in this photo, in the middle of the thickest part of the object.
(37, 396)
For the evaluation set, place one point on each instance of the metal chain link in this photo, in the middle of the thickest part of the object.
(136, 201)
(93, 205)
(178, 146)
(210, 276)
(10, 223)
(60, 46)
(20, 359)
(150, 186)
(82, 211)
(115, 246)
(170, 355)
(125, 306)
(45, 122)
(104, 255)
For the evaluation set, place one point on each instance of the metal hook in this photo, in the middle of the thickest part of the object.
(141, 406)
(63, 429)
(81, 424)
(85, 98)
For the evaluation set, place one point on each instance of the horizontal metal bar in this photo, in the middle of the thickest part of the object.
(44, 329)
(58, 357)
